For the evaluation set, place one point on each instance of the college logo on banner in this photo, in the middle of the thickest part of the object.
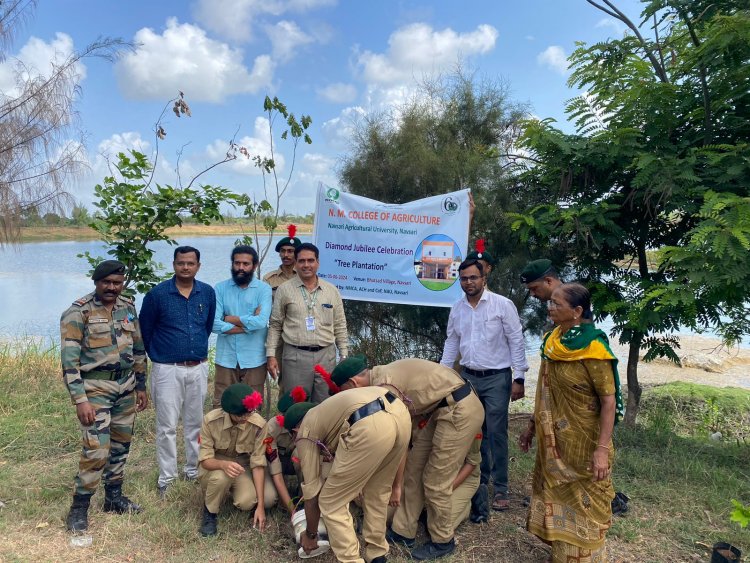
(407, 253)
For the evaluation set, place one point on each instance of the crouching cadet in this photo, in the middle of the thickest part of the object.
(368, 431)
(232, 445)
(450, 416)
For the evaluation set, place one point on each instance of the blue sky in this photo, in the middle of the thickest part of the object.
(334, 60)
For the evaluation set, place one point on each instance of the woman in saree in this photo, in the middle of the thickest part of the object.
(577, 402)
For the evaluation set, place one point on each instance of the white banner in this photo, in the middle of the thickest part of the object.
(407, 253)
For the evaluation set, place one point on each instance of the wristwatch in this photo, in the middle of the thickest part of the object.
(518, 380)
(311, 535)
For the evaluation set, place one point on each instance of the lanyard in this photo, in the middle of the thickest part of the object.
(310, 303)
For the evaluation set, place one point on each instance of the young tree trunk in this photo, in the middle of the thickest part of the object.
(634, 388)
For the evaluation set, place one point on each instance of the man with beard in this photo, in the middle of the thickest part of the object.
(243, 306)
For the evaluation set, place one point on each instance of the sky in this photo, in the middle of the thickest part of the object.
(334, 60)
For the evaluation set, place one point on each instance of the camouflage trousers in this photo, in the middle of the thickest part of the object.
(106, 443)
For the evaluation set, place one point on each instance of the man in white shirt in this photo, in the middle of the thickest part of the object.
(485, 330)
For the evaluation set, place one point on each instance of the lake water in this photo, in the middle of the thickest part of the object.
(38, 281)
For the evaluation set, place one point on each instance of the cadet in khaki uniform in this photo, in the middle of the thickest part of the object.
(368, 431)
(233, 445)
(285, 247)
(104, 369)
(439, 446)
(280, 446)
(466, 483)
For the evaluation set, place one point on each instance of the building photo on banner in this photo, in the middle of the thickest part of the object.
(392, 253)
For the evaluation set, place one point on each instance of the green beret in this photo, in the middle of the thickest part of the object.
(535, 270)
(107, 268)
(288, 241)
(233, 396)
(295, 414)
(486, 256)
(347, 369)
(296, 395)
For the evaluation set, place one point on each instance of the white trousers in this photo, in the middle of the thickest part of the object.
(175, 391)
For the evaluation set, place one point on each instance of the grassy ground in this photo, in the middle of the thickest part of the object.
(680, 483)
(47, 234)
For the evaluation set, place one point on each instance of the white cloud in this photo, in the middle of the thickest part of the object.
(554, 58)
(616, 26)
(338, 93)
(234, 19)
(36, 58)
(417, 49)
(340, 130)
(317, 164)
(184, 58)
(257, 145)
(285, 37)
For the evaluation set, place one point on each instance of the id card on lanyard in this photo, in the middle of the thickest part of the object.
(310, 303)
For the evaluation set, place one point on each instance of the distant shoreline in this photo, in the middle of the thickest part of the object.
(50, 234)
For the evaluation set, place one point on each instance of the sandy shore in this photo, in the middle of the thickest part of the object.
(705, 361)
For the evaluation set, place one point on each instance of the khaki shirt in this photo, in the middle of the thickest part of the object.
(93, 338)
(474, 456)
(292, 304)
(326, 423)
(421, 384)
(277, 277)
(242, 443)
(279, 442)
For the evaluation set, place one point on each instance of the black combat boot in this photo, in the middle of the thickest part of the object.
(208, 525)
(115, 501)
(78, 517)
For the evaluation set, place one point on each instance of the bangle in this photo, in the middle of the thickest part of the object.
(311, 535)
(603, 446)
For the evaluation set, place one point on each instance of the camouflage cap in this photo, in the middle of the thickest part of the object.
(107, 268)
(347, 369)
(535, 270)
(295, 414)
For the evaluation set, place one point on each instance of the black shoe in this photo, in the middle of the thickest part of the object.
(620, 504)
(78, 517)
(432, 550)
(162, 489)
(208, 524)
(480, 505)
(396, 538)
(380, 559)
(115, 501)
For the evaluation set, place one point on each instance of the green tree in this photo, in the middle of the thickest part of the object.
(79, 215)
(455, 135)
(264, 212)
(660, 160)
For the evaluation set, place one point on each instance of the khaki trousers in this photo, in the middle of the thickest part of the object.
(298, 368)
(366, 461)
(437, 454)
(224, 377)
(216, 484)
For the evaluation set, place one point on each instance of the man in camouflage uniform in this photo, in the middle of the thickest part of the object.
(104, 369)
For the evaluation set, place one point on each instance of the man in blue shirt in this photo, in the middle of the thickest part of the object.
(176, 320)
(243, 306)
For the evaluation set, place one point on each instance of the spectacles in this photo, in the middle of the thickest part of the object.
(465, 279)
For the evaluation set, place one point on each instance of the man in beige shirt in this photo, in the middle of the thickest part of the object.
(308, 317)
(365, 432)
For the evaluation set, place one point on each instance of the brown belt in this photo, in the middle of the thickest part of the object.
(189, 363)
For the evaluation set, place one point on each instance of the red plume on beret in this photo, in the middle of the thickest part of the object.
(479, 245)
(252, 402)
(298, 394)
(280, 420)
(320, 370)
(292, 230)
